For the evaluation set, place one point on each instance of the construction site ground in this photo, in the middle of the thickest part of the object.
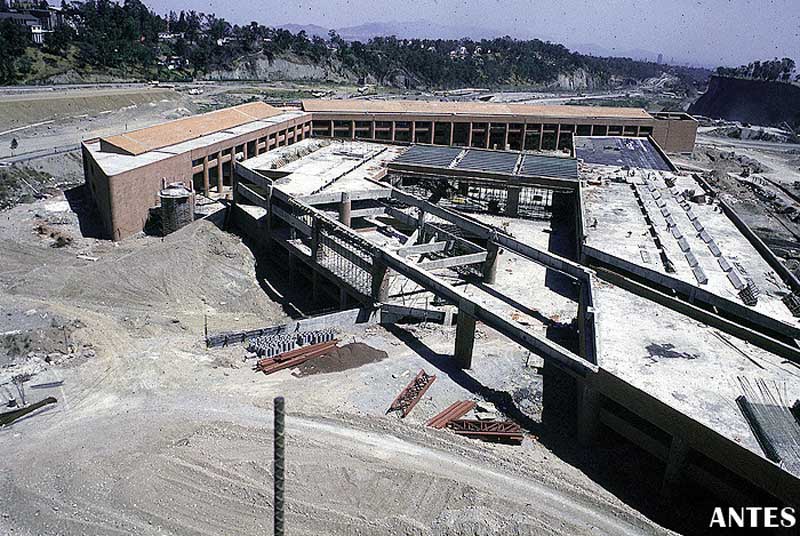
(155, 434)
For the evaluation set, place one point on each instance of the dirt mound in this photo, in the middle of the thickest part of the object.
(347, 357)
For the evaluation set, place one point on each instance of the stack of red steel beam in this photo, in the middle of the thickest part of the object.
(498, 431)
(453, 412)
(295, 357)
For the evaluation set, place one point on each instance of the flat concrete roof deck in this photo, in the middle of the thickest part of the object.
(112, 163)
(339, 166)
(616, 227)
(684, 363)
(454, 108)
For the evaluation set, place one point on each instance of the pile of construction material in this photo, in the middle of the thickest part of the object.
(295, 357)
(273, 345)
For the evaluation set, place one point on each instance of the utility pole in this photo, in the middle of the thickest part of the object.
(278, 467)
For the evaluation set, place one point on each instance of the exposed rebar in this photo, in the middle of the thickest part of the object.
(278, 466)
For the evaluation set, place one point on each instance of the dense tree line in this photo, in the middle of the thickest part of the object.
(771, 70)
(107, 35)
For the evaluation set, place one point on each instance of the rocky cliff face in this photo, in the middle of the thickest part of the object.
(258, 67)
(750, 101)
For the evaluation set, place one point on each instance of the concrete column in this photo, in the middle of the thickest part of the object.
(345, 206)
(393, 130)
(589, 402)
(490, 264)
(315, 240)
(372, 130)
(331, 128)
(380, 282)
(541, 135)
(558, 134)
(505, 137)
(488, 134)
(433, 131)
(206, 185)
(219, 172)
(524, 135)
(591, 130)
(638, 130)
(469, 136)
(465, 335)
(244, 151)
(258, 146)
(413, 132)
(512, 201)
(676, 462)
(352, 130)
(452, 132)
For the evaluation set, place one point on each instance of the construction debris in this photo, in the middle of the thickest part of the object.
(409, 396)
(496, 431)
(295, 357)
(453, 412)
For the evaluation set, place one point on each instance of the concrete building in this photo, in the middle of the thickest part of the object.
(31, 23)
(125, 172)
(494, 126)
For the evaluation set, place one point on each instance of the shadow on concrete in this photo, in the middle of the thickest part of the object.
(562, 242)
(81, 203)
(630, 474)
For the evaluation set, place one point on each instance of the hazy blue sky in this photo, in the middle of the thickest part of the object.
(712, 31)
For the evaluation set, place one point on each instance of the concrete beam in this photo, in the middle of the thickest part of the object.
(451, 262)
(419, 249)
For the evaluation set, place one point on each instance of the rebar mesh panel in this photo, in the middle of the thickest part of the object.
(346, 260)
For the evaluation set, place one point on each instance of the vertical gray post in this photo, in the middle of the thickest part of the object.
(344, 209)
(490, 264)
(465, 335)
(512, 201)
(279, 467)
(380, 282)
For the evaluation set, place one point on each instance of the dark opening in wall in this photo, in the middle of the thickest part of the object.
(460, 134)
(441, 134)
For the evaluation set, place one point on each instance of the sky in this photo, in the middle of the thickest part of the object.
(708, 32)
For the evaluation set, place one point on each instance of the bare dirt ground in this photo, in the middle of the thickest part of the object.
(154, 434)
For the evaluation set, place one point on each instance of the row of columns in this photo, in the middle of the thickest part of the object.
(297, 134)
(486, 143)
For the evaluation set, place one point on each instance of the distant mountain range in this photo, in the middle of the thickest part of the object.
(431, 30)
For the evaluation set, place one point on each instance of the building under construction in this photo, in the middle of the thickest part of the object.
(684, 340)
(125, 172)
